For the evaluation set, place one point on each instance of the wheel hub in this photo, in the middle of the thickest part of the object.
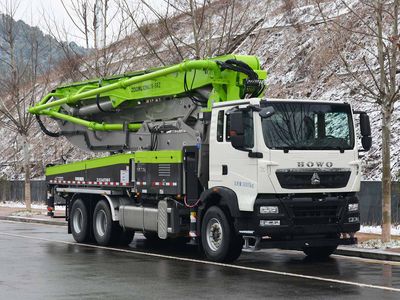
(77, 220)
(214, 234)
(101, 222)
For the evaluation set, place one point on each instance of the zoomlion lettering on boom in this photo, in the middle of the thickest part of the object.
(310, 164)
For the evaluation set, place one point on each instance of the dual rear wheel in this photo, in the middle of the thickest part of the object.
(100, 228)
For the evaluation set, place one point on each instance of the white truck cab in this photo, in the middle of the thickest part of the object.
(292, 164)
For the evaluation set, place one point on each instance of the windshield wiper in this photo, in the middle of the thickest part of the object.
(341, 149)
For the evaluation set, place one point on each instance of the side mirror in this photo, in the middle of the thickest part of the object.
(236, 130)
(365, 128)
(365, 125)
(366, 142)
(266, 112)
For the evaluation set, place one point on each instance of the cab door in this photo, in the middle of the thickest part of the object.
(230, 167)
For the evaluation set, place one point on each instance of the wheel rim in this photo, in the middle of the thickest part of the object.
(77, 220)
(101, 222)
(214, 234)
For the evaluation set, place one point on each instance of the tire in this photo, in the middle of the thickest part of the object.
(236, 249)
(106, 232)
(79, 222)
(319, 252)
(219, 241)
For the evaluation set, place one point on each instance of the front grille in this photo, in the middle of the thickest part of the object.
(315, 214)
(304, 179)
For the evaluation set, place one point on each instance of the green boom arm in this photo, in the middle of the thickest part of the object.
(228, 84)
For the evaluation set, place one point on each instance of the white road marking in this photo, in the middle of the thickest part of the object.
(330, 280)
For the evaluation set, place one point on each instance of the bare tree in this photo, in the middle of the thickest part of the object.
(20, 85)
(211, 27)
(101, 24)
(132, 12)
(372, 27)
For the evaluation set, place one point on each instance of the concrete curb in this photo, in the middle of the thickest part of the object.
(368, 253)
(33, 220)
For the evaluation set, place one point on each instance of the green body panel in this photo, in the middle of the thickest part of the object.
(90, 164)
(165, 156)
(132, 88)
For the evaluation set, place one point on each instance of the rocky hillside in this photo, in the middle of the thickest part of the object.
(292, 43)
(50, 51)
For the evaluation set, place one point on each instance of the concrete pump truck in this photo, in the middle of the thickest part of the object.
(196, 151)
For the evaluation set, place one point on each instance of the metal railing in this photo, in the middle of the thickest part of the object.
(370, 198)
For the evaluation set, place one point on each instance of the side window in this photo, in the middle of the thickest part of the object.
(220, 126)
(228, 128)
(248, 129)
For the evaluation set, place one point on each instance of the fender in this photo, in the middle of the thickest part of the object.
(223, 196)
(115, 202)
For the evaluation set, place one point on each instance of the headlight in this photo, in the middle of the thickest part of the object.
(270, 223)
(269, 210)
(353, 206)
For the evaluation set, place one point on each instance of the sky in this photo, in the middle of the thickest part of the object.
(33, 13)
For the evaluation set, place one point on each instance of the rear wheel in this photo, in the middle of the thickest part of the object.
(319, 252)
(219, 240)
(105, 230)
(79, 222)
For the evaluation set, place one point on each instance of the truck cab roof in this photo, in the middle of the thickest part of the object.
(255, 101)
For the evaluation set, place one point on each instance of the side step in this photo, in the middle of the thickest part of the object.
(162, 218)
(251, 243)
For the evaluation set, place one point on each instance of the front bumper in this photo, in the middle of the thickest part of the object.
(297, 244)
(302, 219)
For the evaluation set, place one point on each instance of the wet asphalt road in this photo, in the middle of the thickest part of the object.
(43, 262)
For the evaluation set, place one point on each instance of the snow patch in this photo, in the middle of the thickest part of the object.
(25, 213)
(378, 244)
(378, 230)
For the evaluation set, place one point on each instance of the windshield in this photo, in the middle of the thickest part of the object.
(309, 126)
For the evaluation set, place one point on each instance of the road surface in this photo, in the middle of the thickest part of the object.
(42, 262)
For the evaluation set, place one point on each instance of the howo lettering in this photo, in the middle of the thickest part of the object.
(197, 152)
(311, 164)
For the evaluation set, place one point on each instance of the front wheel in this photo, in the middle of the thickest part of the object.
(219, 240)
(319, 252)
